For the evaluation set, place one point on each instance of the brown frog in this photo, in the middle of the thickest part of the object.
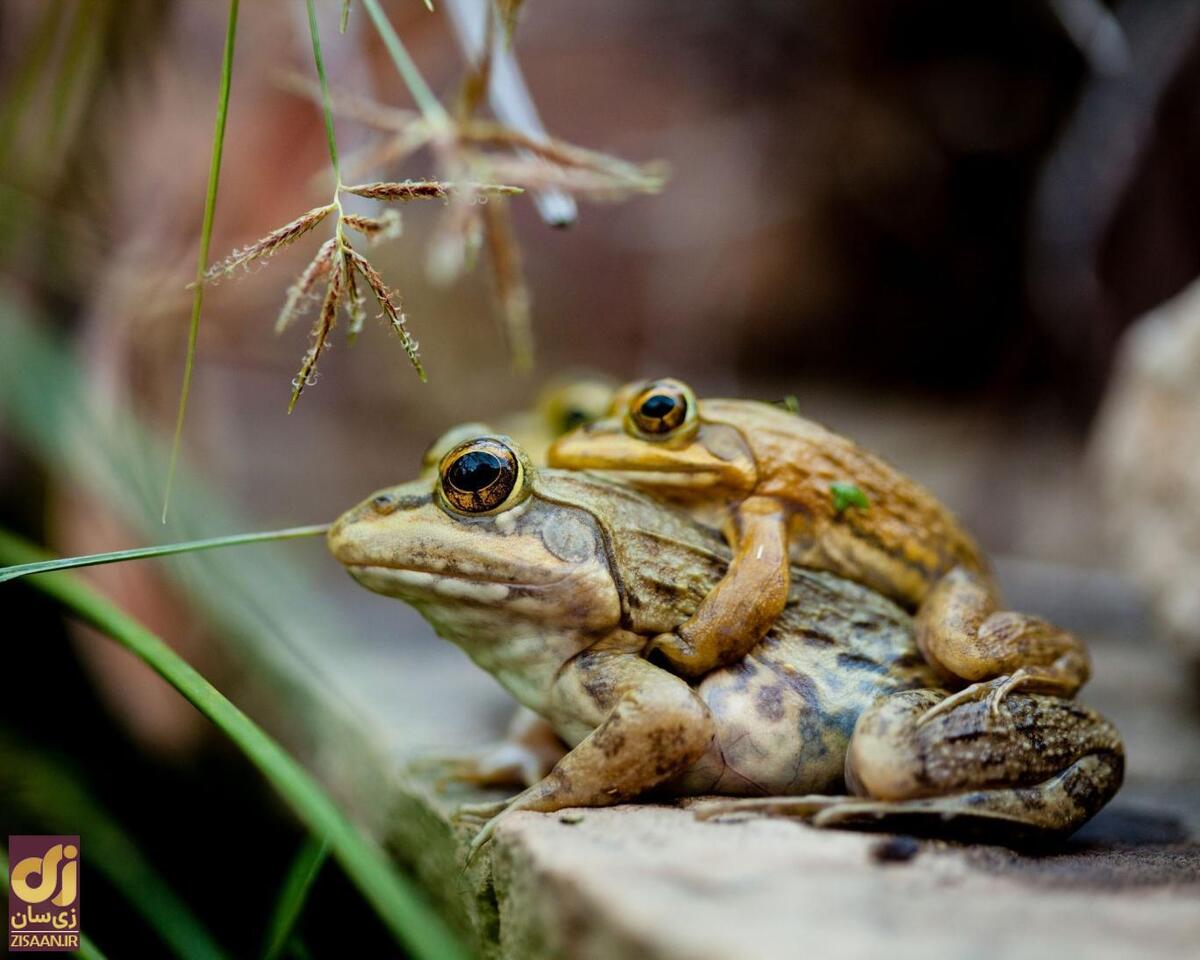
(556, 582)
(787, 491)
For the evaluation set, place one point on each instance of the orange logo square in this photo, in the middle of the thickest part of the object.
(43, 893)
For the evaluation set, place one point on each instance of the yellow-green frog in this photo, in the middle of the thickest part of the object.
(787, 491)
(556, 581)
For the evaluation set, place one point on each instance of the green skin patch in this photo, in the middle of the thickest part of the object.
(847, 495)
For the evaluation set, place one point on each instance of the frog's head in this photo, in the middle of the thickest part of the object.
(572, 400)
(475, 543)
(656, 438)
(488, 541)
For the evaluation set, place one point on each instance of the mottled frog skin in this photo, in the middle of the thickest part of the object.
(556, 581)
(785, 491)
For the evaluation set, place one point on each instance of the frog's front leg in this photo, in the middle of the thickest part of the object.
(960, 631)
(1045, 768)
(743, 606)
(649, 727)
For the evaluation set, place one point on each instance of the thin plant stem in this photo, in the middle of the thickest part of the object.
(326, 103)
(210, 206)
(293, 894)
(398, 902)
(429, 105)
(166, 550)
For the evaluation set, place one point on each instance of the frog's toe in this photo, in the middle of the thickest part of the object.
(1002, 687)
(670, 650)
(976, 691)
(480, 813)
(505, 765)
(805, 806)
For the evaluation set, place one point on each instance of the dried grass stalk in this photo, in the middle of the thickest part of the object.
(302, 292)
(508, 280)
(425, 190)
(274, 241)
(323, 326)
(596, 185)
(488, 133)
(356, 303)
(387, 226)
(390, 307)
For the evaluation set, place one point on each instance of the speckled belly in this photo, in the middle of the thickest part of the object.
(785, 713)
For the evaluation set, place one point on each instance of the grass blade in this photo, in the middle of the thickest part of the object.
(326, 104)
(397, 901)
(55, 794)
(165, 550)
(210, 206)
(87, 949)
(296, 885)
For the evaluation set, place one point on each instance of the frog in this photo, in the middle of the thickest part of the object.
(556, 582)
(787, 491)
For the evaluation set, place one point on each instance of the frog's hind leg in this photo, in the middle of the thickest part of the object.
(960, 632)
(1046, 766)
(1044, 769)
(1051, 807)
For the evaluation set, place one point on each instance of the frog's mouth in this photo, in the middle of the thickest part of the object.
(681, 475)
(442, 581)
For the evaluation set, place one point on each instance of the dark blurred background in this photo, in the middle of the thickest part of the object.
(931, 222)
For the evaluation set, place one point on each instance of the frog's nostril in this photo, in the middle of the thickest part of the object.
(384, 503)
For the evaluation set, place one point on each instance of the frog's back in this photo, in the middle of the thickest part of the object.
(901, 544)
(785, 713)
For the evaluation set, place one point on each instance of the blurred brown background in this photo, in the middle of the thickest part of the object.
(930, 221)
(926, 212)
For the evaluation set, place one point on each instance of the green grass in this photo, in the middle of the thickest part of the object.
(400, 905)
(293, 894)
(166, 550)
(210, 206)
(326, 105)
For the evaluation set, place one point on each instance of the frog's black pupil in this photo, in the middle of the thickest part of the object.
(573, 418)
(474, 471)
(658, 406)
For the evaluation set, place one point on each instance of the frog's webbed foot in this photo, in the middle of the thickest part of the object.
(803, 807)
(483, 819)
(529, 752)
(479, 813)
(504, 765)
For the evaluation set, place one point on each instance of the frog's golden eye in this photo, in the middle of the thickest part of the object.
(454, 437)
(480, 475)
(662, 408)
